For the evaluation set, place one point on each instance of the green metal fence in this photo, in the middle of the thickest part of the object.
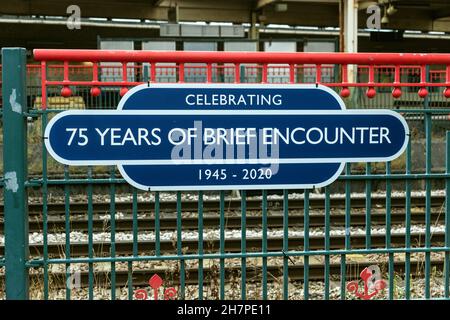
(2, 259)
(97, 238)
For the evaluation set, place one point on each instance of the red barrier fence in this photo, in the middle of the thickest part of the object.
(369, 61)
(62, 70)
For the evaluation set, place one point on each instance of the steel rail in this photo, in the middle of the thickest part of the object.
(316, 242)
(230, 204)
(123, 224)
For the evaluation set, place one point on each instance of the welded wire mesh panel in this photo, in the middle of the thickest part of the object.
(94, 236)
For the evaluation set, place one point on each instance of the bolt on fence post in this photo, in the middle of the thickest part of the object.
(15, 172)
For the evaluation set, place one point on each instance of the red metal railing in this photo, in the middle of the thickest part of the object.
(239, 57)
(374, 70)
(85, 71)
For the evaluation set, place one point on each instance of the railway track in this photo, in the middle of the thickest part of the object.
(168, 221)
(99, 223)
(316, 272)
(235, 204)
(253, 244)
(229, 205)
(140, 277)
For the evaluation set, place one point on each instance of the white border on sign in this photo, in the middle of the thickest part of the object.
(236, 86)
(228, 112)
(222, 113)
(230, 86)
(232, 187)
(151, 86)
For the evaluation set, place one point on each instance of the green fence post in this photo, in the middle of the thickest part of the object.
(15, 172)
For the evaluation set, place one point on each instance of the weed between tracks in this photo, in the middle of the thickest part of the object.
(275, 290)
(232, 288)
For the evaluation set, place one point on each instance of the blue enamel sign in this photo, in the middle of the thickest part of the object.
(194, 137)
